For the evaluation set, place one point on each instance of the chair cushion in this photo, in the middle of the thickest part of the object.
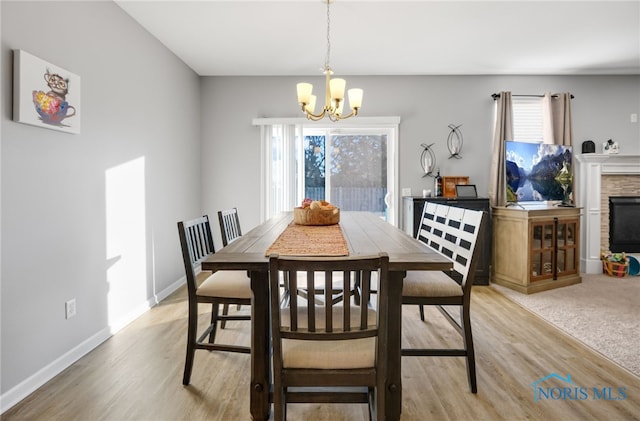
(430, 284)
(226, 284)
(352, 353)
(340, 354)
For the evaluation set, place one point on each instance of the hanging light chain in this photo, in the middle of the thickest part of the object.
(327, 57)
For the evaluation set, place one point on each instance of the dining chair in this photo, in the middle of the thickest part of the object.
(327, 352)
(452, 232)
(229, 231)
(229, 225)
(221, 287)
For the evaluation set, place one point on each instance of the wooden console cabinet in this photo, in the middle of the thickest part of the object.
(536, 249)
(412, 216)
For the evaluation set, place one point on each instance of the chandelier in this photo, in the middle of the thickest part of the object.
(334, 91)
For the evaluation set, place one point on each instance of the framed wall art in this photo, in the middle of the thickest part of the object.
(610, 147)
(44, 94)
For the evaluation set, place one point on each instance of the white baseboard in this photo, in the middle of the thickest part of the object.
(595, 266)
(591, 265)
(32, 383)
(170, 289)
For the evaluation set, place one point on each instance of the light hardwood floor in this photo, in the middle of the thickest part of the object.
(136, 375)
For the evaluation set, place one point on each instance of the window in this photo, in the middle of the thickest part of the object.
(347, 167)
(528, 123)
(351, 165)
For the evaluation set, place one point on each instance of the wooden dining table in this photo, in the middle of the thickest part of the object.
(365, 234)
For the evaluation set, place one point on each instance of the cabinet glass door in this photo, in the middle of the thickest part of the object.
(542, 248)
(567, 247)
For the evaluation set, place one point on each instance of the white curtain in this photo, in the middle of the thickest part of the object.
(279, 187)
(503, 131)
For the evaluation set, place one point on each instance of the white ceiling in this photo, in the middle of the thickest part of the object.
(377, 37)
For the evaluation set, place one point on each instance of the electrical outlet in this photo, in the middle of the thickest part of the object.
(406, 191)
(634, 118)
(70, 308)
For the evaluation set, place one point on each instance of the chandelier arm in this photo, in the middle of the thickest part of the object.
(310, 115)
(316, 117)
(351, 114)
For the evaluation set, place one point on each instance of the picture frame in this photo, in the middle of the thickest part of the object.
(449, 184)
(467, 191)
(45, 95)
(610, 147)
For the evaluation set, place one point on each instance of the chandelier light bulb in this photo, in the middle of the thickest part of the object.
(311, 107)
(355, 98)
(337, 88)
(339, 108)
(304, 92)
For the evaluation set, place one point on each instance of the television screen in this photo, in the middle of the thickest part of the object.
(538, 172)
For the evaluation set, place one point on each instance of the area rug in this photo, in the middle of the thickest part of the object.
(602, 312)
(310, 240)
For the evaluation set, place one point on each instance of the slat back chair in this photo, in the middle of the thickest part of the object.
(452, 232)
(229, 231)
(229, 225)
(221, 287)
(323, 351)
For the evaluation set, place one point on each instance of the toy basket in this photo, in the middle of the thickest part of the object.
(615, 269)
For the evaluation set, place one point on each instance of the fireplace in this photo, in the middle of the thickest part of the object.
(593, 183)
(624, 224)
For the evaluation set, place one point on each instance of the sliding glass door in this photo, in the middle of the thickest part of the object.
(348, 168)
(353, 167)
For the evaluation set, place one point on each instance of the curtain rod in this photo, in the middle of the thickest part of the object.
(496, 96)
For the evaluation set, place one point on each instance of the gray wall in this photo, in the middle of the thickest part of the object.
(426, 104)
(61, 235)
(140, 104)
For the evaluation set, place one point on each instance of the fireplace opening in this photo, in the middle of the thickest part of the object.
(624, 224)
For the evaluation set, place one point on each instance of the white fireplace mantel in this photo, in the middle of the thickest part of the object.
(590, 169)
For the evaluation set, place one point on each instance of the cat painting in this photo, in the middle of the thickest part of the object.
(44, 94)
(53, 107)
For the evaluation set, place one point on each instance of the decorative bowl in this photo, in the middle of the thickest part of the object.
(308, 216)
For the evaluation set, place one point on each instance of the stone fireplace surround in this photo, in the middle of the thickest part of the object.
(591, 175)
